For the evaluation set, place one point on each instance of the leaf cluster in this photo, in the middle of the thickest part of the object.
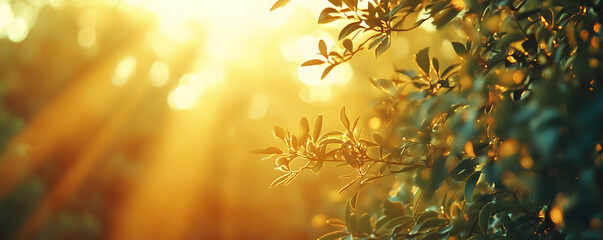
(503, 143)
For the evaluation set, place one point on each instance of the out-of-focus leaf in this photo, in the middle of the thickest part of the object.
(348, 45)
(354, 201)
(484, 217)
(280, 132)
(364, 224)
(335, 222)
(333, 235)
(317, 128)
(422, 60)
(279, 180)
(347, 185)
(312, 62)
(378, 138)
(449, 69)
(316, 169)
(279, 3)
(344, 118)
(470, 185)
(509, 38)
(459, 49)
(336, 3)
(268, 150)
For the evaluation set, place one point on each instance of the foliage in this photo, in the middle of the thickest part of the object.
(504, 143)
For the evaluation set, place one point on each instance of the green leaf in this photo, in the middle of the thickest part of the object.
(354, 201)
(444, 17)
(422, 60)
(393, 209)
(317, 128)
(376, 41)
(345, 31)
(463, 170)
(448, 69)
(459, 49)
(484, 216)
(344, 118)
(279, 3)
(333, 235)
(436, 64)
(348, 44)
(378, 138)
(470, 185)
(327, 70)
(509, 38)
(326, 15)
(384, 45)
(364, 224)
(322, 48)
(268, 150)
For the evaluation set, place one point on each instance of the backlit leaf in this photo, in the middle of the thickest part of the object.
(312, 62)
(422, 60)
(345, 31)
(470, 185)
(268, 150)
(279, 3)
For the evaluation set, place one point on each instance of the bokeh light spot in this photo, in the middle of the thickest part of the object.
(160, 74)
(258, 106)
(125, 68)
(86, 37)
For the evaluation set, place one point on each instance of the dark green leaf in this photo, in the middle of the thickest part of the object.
(377, 40)
(484, 217)
(422, 60)
(459, 49)
(436, 64)
(384, 45)
(470, 185)
(509, 38)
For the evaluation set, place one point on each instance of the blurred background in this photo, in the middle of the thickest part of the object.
(135, 119)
